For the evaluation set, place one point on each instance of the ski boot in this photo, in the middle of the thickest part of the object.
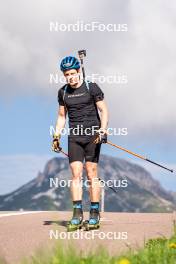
(94, 220)
(77, 220)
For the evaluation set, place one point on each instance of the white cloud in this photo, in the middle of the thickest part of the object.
(30, 53)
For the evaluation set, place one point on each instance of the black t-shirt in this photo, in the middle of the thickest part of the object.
(81, 104)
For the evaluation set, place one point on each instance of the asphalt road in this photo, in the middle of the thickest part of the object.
(21, 234)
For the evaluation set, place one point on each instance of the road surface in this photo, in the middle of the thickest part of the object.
(22, 233)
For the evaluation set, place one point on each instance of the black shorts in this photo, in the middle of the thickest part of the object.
(82, 148)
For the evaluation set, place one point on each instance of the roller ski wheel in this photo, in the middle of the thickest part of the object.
(89, 227)
(76, 222)
(73, 227)
(94, 221)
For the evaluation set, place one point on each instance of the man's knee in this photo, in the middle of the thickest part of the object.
(77, 169)
(91, 170)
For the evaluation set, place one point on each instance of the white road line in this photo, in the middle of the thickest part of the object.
(22, 213)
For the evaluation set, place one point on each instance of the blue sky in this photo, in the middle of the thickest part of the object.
(25, 143)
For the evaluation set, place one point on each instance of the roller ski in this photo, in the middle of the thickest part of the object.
(94, 220)
(76, 222)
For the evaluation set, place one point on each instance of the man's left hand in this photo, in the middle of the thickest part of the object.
(101, 136)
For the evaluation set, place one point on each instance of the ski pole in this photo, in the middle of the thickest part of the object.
(60, 150)
(64, 153)
(82, 54)
(139, 156)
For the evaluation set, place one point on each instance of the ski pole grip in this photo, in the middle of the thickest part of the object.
(82, 53)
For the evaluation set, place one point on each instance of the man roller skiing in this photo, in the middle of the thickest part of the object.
(82, 101)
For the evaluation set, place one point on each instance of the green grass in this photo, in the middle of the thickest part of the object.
(156, 251)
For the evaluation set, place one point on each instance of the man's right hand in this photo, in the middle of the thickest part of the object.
(56, 143)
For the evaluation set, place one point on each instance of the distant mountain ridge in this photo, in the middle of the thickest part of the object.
(143, 193)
